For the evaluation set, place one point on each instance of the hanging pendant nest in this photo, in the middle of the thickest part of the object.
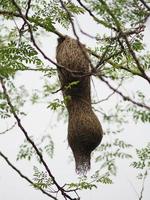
(84, 129)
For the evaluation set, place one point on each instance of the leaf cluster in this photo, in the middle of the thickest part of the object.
(143, 158)
(27, 152)
(14, 57)
(41, 179)
(18, 96)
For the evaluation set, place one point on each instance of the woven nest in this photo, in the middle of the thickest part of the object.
(84, 129)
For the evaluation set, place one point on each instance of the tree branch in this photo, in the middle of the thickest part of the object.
(125, 98)
(126, 40)
(79, 74)
(75, 73)
(145, 4)
(32, 142)
(95, 18)
(74, 31)
(109, 96)
(135, 31)
(23, 176)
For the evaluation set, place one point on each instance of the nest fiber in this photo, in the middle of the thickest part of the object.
(84, 129)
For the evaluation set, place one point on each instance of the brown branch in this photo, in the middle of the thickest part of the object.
(136, 31)
(144, 75)
(26, 15)
(74, 31)
(56, 91)
(145, 4)
(75, 73)
(85, 33)
(31, 141)
(56, 32)
(126, 40)
(101, 61)
(14, 14)
(20, 15)
(28, 7)
(95, 18)
(125, 98)
(130, 71)
(23, 176)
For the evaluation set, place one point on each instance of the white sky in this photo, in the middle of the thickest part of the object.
(40, 120)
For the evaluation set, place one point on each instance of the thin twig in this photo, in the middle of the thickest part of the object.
(95, 18)
(110, 95)
(143, 183)
(133, 187)
(8, 129)
(23, 176)
(125, 98)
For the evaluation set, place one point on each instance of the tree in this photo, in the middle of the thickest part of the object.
(119, 56)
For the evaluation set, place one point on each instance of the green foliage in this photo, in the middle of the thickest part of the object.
(71, 85)
(47, 14)
(48, 145)
(41, 179)
(34, 98)
(18, 96)
(119, 9)
(116, 114)
(56, 104)
(105, 179)
(27, 151)
(83, 184)
(117, 64)
(121, 144)
(46, 22)
(142, 165)
(144, 115)
(59, 15)
(99, 177)
(143, 158)
(4, 108)
(110, 153)
(138, 114)
(50, 88)
(6, 4)
(17, 57)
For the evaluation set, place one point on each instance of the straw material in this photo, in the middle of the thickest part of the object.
(84, 129)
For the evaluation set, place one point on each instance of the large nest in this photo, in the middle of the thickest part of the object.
(84, 129)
